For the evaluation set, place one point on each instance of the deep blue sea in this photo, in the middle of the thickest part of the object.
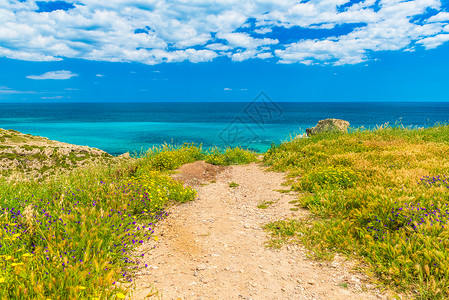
(134, 127)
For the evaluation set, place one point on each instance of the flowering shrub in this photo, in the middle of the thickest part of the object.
(230, 156)
(169, 157)
(413, 217)
(339, 176)
(439, 180)
(76, 237)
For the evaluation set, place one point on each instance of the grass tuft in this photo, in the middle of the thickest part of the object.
(230, 156)
(233, 185)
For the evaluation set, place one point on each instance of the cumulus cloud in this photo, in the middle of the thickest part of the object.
(157, 31)
(244, 40)
(55, 75)
(434, 41)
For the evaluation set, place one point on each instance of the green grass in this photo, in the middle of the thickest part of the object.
(168, 157)
(282, 232)
(73, 235)
(230, 156)
(233, 185)
(343, 285)
(283, 191)
(265, 204)
(369, 194)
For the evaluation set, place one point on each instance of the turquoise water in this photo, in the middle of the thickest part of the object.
(117, 138)
(134, 127)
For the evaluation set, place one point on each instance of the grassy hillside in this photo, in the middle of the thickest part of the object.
(73, 235)
(379, 195)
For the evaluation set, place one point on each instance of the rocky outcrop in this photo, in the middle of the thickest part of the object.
(37, 156)
(125, 155)
(329, 125)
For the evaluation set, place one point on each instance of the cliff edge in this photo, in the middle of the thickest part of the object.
(36, 156)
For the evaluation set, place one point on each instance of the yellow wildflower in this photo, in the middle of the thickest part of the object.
(2, 279)
(120, 295)
(16, 264)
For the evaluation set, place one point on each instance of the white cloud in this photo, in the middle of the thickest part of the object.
(440, 17)
(245, 55)
(264, 30)
(157, 31)
(100, 75)
(391, 30)
(7, 90)
(227, 89)
(264, 55)
(218, 47)
(52, 97)
(56, 75)
(244, 40)
(434, 41)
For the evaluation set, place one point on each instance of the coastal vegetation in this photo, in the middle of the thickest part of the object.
(168, 157)
(73, 234)
(378, 195)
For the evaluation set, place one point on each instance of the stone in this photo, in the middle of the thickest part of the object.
(125, 155)
(329, 125)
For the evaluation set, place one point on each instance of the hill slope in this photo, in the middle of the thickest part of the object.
(35, 156)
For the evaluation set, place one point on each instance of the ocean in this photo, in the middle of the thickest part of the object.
(134, 127)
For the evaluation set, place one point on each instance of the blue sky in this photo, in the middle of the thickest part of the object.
(227, 50)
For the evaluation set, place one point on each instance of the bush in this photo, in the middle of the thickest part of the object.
(230, 156)
(170, 157)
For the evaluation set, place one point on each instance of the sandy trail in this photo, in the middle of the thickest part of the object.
(213, 248)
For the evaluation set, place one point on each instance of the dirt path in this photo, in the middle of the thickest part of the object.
(213, 248)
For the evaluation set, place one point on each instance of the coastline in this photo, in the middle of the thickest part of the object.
(135, 127)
